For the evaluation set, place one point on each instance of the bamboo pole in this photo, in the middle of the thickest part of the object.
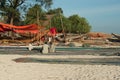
(11, 33)
(38, 22)
(63, 30)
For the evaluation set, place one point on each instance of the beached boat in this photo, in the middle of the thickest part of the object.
(116, 35)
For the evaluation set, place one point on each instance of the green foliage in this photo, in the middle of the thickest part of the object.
(55, 11)
(67, 25)
(79, 24)
(56, 21)
(12, 8)
(73, 24)
(31, 15)
(45, 3)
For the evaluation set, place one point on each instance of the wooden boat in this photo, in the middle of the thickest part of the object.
(116, 35)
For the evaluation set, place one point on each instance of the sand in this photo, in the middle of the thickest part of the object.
(10, 70)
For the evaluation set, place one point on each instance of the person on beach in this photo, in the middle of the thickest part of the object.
(52, 47)
(45, 48)
(30, 47)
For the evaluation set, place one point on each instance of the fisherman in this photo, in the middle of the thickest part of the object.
(30, 47)
(49, 39)
(45, 48)
(52, 47)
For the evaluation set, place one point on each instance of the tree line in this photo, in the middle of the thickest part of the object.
(23, 12)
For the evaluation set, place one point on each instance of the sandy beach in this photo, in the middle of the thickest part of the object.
(10, 70)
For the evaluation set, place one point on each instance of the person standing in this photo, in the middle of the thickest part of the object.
(45, 48)
(52, 47)
(30, 47)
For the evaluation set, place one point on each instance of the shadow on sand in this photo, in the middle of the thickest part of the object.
(85, 61)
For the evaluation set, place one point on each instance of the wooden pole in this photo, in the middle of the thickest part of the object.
(38, 22)
(11, 22)
(63, 30)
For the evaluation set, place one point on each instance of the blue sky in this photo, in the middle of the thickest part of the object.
(102, 15)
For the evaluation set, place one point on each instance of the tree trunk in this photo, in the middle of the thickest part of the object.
(11, 32)
(11, 20)
(38, 17)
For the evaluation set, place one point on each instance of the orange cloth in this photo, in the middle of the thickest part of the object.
(33, 28)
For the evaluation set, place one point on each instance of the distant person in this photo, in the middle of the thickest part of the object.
(52, 47)
(30, 47)
(50, 39)
(45, 48)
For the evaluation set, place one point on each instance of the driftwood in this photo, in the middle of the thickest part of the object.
(68, 37)
(60, 39)
(116, 35)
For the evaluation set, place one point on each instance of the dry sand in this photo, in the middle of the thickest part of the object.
(10, 70)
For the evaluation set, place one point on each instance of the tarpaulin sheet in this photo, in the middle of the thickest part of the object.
(33, 28)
